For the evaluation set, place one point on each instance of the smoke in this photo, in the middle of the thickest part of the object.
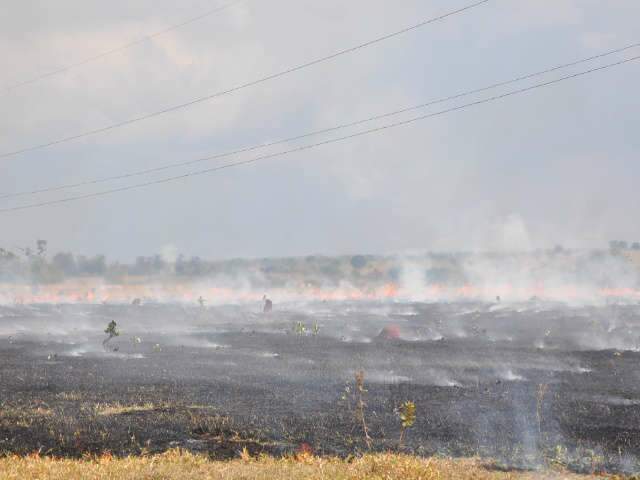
(169, 253)
(507, 235)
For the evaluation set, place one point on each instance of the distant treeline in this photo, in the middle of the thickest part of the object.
(36, 265)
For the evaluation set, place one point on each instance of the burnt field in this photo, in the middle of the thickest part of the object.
(526, 384)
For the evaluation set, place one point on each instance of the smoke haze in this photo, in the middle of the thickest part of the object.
(554, 166)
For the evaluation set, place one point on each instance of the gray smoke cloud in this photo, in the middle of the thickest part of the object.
(556, 165)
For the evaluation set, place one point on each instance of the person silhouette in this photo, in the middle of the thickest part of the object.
(268, 305)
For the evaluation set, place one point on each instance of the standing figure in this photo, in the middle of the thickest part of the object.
(112, 331)
(268, 305)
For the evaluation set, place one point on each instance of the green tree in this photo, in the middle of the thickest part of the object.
(358, 261)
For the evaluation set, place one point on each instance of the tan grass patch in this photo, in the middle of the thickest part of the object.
(180, 465)
(119, 409)
(69, 396)
(26, 411)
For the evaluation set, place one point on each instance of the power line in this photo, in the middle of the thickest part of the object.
(318, 144)
(245, 85)
(133, 43)
(316, 132)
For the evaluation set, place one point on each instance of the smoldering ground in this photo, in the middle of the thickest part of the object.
(526, 383)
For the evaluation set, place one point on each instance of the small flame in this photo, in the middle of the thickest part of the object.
(94, 292)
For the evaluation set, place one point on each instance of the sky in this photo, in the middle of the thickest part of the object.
(557, 165)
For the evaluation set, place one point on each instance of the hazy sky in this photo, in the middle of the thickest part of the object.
(555, 165)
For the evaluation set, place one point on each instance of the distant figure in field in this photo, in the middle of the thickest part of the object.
(201, 301)
(268, 305)
(111, 331)
(498, 299)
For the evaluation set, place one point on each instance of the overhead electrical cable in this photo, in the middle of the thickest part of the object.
(318, 144)
(313, 133)
(244, 85)
(125, 46)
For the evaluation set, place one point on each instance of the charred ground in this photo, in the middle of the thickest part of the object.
(525, 384)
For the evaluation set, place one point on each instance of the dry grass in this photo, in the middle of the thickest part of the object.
(25, 411)
(180, 465)
(119, 409)
(23, 416)
(69, 396)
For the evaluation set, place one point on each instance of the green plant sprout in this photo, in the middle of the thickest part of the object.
(300, 328)
(407, 414)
